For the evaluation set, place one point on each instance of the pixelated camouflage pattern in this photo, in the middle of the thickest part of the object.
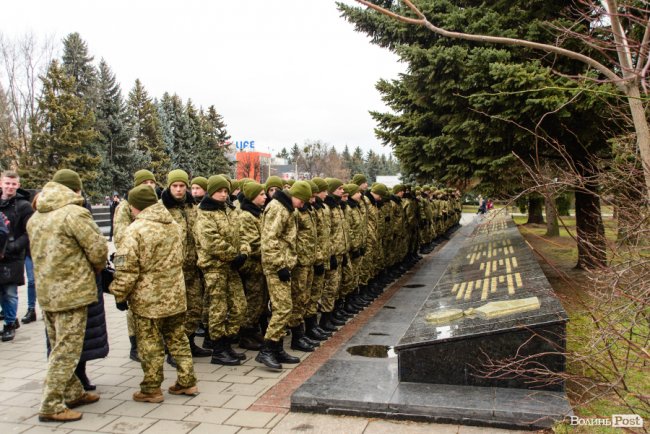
(331, 288)
(301, 281)
(257, 295)
(65, 331)
(152, 335)
(306, 236)
(323, 227)
(121, 220)
(281, 307)
(354, 224)
(217, 238)
(67, 248)
(250, 234)
(279, 231)
(148, 265)
(185, 216)
(227, 301)
(338, 230)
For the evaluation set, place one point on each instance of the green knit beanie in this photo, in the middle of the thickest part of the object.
(273, 181)
(217, 182)
(398, 188)
(380, 189)
(141, 176)
(351, 189)
(252, 189)
(314, 187)
(201, 182)
(359, 179)
(69, 178)
(142, 196)
(321, 183)
(178, 175)
(333, 184)
(300, 190)
(244, 181)
(290, 181)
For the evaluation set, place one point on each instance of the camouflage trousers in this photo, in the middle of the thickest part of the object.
(350, 278)
(194, 298)
(65, 331)
(257, 296)
(368, 264)
(152, 335)
(227, 302)
(302, 278)
(281, 307)
(315, 295)
(130, 327)
(331, 287)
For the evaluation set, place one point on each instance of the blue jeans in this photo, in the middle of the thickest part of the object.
(31, 285)
(9, 302)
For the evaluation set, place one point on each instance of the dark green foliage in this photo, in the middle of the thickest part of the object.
(214, 138)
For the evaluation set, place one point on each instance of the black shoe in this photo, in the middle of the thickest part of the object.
(9, 332)
(267, 357)
(282, 356)
(171, 361)
(133, 354)
(336, 322)
(196, 350)
(200, 331)
(298, 342)
(248, 340)
(313, 342)
(325, 322)
(317, 334)
(220, 355)
(30, 316)
(229, 341)
(208, 342)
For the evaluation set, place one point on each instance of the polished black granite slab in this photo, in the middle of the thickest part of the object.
(487, 268)
(365, 386)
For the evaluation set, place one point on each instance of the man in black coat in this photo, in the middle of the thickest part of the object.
(15, 205)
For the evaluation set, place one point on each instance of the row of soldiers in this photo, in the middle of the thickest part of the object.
(258, 259)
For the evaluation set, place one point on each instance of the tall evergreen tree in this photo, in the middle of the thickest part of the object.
(372, 166)
(120, 159)
(64, 134)
(180, 149)
(78, 64)
(145, 127)
(216, 138)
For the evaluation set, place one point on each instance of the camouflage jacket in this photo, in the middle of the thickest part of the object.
(250, 228)
(279, 233)
(323, 222)
(121, 220)
(148, 266)
(67, 248)
(184, 214)
(364, 207)
(373, 223)
(338, 233)
(307, 236)
(217, 235)
(354, 221)
(397, 224)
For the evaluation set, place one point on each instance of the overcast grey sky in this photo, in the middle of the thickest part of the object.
(279, 71)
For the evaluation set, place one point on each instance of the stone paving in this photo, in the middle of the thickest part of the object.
(223, 406)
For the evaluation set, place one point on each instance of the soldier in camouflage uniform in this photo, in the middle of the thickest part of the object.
(279, 257)
(221, 255)
(369, 217)
(67, 248)
(148, 280)
(121, 220)
(332, 314)
(180, 204)
(323, 253)
(355, 226)
(257, 296)
(302, 276)
(376, 225)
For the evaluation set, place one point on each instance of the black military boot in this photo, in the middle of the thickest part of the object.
(196, 350)
(9, 332)
(247, 339)
(133, 353)
(207, 341)
(30, 316)
(298, 342)
(350, 307)
(267, 357)
(313, 331)
(200, 331)
(313, 342)
(220, 354)
(230, 340)
(282, 356)
(326, 323)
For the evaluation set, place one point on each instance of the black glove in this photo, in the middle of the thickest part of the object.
(319, 269)
(387, 219)
(345, 260)
(362, 251)
(333, 263)
(355, 254)
(284, 274)
(239, 260)
(122, 306)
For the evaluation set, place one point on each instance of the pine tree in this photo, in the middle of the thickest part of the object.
(215, 138)
(77, 63)
(372, 166)
(120, 159)
(64, 134)
(144, 123)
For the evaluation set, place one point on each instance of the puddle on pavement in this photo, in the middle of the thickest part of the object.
(375, 351)
(414, 285)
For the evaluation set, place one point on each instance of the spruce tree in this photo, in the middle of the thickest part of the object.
(144, 123)
(64, 133)
(215, 137)
(77, 63)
